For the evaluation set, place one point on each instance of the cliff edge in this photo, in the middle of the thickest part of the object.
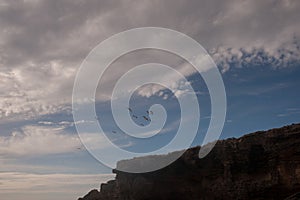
(260, 165)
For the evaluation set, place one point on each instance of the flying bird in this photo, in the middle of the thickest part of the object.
(149, 112)
(146, 118)
(134, 116)
(114, 131)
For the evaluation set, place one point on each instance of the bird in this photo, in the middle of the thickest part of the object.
(79, 148)
(114, 132)
(149, 112)
(134, 116)
(146, 118)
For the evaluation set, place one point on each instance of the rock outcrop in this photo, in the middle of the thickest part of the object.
(261, 165)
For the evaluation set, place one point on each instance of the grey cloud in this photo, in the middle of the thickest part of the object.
(37, 35)
(66, 30)
(41, 30)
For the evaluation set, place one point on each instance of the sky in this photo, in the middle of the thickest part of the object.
(255, 45)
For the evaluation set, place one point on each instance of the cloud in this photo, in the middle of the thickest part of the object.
(285, 56)
(33, 90)
(289, 112)
(47, 140)
(262, 90)
(42, 43)
(64, 124)
(14, 185)
(170, 80)
(38, 140)
(45, 123)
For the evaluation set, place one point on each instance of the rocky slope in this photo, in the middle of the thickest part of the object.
(261, 165)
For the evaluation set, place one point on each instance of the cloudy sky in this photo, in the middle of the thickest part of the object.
(255, 44)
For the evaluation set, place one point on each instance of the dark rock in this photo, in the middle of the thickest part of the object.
(92, 195)
(294, 197)
(261, 165)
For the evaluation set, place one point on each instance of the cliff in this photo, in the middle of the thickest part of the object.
(260, 165)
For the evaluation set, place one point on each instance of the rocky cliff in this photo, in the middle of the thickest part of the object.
(261, 165)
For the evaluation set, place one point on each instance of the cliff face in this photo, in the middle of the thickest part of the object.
(261, 165)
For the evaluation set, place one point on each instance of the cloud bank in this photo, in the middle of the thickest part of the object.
(60, 186)
(42, 43)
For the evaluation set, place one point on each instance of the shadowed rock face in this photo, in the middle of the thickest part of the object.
(261, 165)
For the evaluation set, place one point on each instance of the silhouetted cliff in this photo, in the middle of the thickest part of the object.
(261, 165)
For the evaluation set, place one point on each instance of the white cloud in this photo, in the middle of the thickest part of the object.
(172, 81)
(38, 140)
(14, 185)
(34, 90)
(45, 123)
(65, 124)
(285, 56)
(46, 140)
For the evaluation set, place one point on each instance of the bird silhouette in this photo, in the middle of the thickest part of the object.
(146, 118)
(149, 112)
(134, 116)
(114, 131)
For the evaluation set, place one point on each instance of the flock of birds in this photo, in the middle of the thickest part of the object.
(145, 118)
